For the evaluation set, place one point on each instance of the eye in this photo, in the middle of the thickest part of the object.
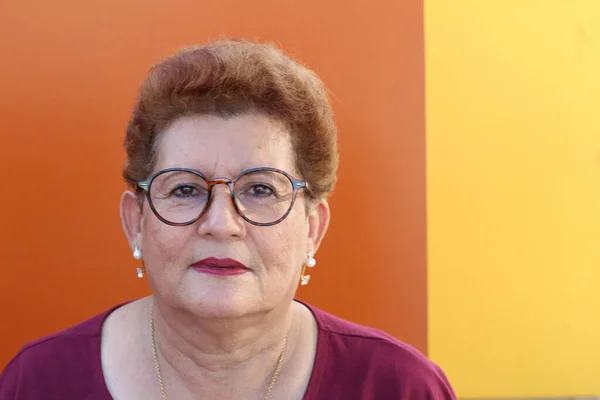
(185, 191)
(261, 190)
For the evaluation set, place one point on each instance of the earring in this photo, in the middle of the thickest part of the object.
(310, 263)
(137, 253)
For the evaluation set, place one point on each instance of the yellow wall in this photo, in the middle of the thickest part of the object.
(513, 136)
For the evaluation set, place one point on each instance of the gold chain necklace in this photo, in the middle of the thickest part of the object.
(159, 375)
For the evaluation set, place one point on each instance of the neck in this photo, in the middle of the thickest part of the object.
(204, 352)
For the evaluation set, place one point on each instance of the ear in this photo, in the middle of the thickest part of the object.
(131, 217)
(318, 221)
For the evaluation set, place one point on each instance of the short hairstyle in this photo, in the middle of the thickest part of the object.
(234, 77)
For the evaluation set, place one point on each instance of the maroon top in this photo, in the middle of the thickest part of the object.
(352, 362)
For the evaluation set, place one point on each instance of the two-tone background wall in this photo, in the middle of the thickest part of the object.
(467, 217)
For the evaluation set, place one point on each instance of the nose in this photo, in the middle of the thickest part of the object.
(221, 219)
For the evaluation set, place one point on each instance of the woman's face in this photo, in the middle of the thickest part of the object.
(274, 255)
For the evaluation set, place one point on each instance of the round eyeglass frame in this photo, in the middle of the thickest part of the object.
(297, 184)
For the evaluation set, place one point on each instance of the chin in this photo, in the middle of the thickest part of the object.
(223, 309)
(221, 302)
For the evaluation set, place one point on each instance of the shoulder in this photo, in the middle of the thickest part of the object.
(63, 361)
(377, 362)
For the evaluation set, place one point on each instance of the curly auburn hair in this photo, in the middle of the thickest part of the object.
(234, 77)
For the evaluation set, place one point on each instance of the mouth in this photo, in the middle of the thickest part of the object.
(219, 266)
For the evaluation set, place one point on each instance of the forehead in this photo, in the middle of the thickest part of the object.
(221, 147)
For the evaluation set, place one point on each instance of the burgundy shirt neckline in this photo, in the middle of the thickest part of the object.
(313, 382)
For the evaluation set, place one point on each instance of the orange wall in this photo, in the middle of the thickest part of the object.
(69, 74)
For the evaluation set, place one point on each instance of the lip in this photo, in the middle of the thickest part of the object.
(219, 266)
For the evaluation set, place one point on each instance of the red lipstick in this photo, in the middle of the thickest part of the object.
(219, 266)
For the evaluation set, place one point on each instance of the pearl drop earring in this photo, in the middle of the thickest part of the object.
(137, 253)
(310, 263)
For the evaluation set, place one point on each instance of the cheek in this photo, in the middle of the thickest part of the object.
(281, 247)
(163, 243)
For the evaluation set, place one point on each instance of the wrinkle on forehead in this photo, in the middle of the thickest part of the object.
(224, 147)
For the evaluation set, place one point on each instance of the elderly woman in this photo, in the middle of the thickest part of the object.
(231, 154)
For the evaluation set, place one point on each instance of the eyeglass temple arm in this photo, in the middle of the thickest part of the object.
(301, 184)
(144, 185)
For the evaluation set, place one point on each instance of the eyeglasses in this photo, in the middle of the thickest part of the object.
(262, 196)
